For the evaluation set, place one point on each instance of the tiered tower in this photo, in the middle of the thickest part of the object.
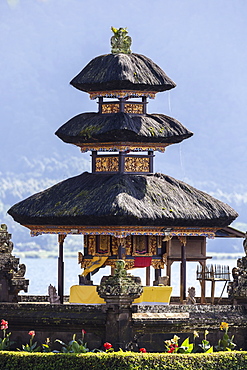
(123, 208)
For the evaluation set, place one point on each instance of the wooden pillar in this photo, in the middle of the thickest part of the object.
(183, 269)
(121, 161)
(60, 278)
(94, 155)
(151, 161)
(203, 282)
(148, 276)
(168, 271)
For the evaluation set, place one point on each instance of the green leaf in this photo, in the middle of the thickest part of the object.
(210, 350)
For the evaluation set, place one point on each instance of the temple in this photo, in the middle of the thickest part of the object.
(122, 207)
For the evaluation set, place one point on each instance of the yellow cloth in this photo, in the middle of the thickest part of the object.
(87, 294)
(96, 263)
(155, 294)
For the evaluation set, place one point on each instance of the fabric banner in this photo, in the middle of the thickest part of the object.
(95, 264)
(143, 261)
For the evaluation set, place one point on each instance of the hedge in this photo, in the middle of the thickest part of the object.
(236, 360)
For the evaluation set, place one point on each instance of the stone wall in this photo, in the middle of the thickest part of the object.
(151, 324)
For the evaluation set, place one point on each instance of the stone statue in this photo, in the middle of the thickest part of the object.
(191, 297)
(6, 245)
(120, 42)
(245, 243)
(53, 297)
(21, 272)
(12, 279)
(237, 289)
(120, 285)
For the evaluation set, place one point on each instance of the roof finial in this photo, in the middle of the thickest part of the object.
(120, 42)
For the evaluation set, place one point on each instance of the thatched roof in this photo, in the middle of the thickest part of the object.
(147, 200)
(120, 127)
(120, 72)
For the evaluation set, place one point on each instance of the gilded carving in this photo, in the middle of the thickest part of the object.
(135, 164)
(111, 262)
(133, 108)
(114, 245)
(86, 263)
(140, 245)
(182, 239)
(152, 244)
(104, 246)
(157, 264)
(164, 258)
(90, 241)
(80, 257)
(128, 245)
(110, 108)
(144, 245)
(129, 264)
(106, 164)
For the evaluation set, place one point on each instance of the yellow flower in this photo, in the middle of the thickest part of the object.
(224, 326)
(168, 342)
(175, 338)
(196, 335)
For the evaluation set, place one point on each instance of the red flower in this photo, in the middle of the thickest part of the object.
(83, 331)
(4, 324)
(172, 348)
(143, 350)
(107, 345)
(32, 332)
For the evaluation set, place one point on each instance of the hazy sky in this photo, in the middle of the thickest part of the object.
(200, 44)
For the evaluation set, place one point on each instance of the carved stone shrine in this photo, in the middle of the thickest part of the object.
(12, 279)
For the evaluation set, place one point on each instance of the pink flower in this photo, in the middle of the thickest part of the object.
(4, 324)
(107, 345)
(32, 333)
(143, 350)
(83, 331)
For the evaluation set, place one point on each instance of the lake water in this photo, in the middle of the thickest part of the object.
(43, 272)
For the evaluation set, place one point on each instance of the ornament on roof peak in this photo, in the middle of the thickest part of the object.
(120, 41)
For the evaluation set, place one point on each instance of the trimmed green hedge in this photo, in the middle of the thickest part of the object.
(236, 360)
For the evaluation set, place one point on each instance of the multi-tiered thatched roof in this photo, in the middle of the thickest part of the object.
(122, 72)
(145, 200)
(122, 127)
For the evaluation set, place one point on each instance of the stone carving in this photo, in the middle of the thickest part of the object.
(191, 297)
(121, 285)
(12, 274)
(53, 297)
(161, 281)
(237, 289)
(120, 42)
(21, 272)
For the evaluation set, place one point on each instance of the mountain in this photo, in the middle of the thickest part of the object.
(201, 46)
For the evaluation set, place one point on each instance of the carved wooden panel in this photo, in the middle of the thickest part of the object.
(106, 164)
(110, 108)
(103, 243)
(90, 242)
(134, 108)
(135, 164)
(144, 245)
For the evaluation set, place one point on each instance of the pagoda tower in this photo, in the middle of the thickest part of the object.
(124, 209)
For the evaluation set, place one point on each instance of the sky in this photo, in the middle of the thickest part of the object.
(200, 44)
